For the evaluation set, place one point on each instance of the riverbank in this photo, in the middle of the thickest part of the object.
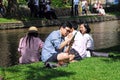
(98, 66)
(44, 22)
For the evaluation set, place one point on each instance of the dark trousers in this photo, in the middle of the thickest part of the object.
(76, 10)
(50, 15)
(98, 54)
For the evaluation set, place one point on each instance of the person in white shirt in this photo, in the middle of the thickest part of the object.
(83, 45)
(76, 2)
(95, 6)
(101, 11)
(78, 47)
(36, 4)
(84, 7)
(49, 12)
(85, 30)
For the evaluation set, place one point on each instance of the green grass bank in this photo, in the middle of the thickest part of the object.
(94, 68)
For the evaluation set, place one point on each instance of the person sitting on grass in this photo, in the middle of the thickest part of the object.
(29, 46)
(54, 47)
(83, 45)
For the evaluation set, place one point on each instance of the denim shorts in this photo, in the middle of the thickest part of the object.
(53, 58)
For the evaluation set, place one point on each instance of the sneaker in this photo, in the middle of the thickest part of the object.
(64, 65)
(111, 56)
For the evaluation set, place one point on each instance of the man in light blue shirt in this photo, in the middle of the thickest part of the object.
(53, 49)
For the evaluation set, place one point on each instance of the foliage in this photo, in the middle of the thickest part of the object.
(5, 2)
(60, 3)
(55, 3)
(22, 2)
(116, 13)
(113, 8)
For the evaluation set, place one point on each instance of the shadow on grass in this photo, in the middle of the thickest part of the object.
(35, 73)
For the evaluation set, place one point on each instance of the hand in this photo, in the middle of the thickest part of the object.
(69, 37)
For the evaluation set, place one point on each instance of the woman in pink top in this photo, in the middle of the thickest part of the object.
(29, 46)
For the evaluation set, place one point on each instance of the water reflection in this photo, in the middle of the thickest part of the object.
(105, 34)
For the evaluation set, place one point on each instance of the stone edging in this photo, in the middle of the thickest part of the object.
(41, 23)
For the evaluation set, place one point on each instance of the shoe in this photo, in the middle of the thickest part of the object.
(64, 65)
(51, 65)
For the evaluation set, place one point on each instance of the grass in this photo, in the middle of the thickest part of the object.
(4, 20)
(94, 68)
(7, 20)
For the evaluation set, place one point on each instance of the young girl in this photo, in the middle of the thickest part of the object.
(29, 46)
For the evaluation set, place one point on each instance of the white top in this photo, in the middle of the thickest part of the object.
(84, 3)
(79, 44)
(76, 2)
(48, 7)
(101, 11)
(89, 41)
(36, 2)
(82, 43)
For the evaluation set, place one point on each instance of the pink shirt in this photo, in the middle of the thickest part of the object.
(32, 53)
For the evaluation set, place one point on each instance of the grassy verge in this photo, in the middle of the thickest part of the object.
(94, 68)
(4, 20)
(8, 20)
(114, 13)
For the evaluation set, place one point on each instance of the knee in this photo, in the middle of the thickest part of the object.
(63, 56)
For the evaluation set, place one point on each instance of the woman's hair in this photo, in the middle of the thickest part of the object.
(32, 32)
(86, 25)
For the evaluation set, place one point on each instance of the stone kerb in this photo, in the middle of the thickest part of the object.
(11, 25)
(42, 23)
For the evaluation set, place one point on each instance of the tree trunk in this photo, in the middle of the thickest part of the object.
(12, 8)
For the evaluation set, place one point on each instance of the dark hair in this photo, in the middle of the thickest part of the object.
(86, 25)
(66, 24)
(75, 24)
(33, 33)
(30, 36)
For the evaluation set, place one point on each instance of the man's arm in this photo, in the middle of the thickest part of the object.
(66, 42)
